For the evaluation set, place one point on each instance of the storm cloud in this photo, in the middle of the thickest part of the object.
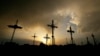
(83, 15)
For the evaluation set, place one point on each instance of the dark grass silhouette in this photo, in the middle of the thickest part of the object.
(52, 49)
(42, 45)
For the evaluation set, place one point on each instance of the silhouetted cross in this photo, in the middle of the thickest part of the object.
(14, 27)
(47, 38)
(71, 32)
(34, 39)
(53, 27)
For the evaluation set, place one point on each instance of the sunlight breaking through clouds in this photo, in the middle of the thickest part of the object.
(34, 15)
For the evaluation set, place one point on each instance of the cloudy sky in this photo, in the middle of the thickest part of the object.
(34, 15)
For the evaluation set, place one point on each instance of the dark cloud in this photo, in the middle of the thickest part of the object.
(32, 13)
(29, 11)
(89, 21)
